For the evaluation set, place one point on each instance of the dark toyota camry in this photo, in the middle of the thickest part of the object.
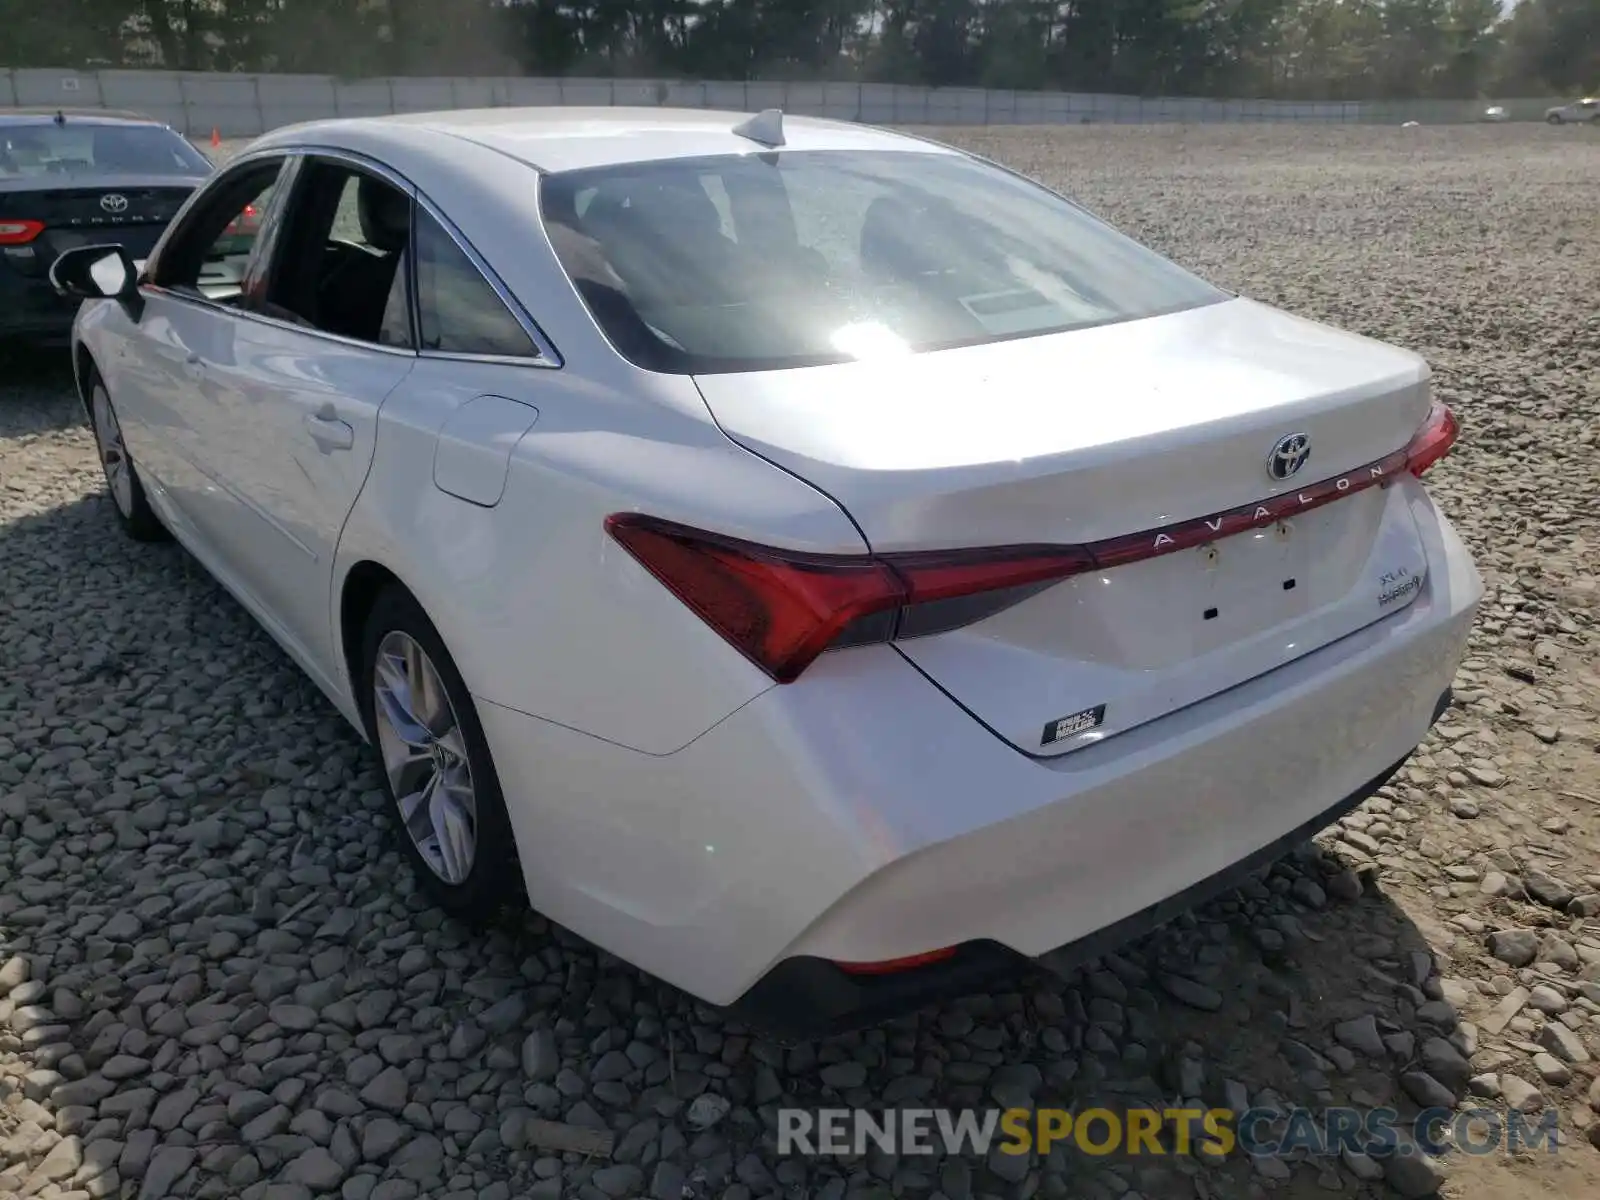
(73, 178)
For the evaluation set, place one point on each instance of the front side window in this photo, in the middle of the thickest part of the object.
(79, 148)
(458, 309)
(209, 253)
(763, 261)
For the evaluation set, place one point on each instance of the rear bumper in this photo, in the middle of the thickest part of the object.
(860, 815)
(810, 997)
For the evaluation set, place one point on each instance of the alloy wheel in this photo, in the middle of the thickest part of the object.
(425, 757)
(113, 454)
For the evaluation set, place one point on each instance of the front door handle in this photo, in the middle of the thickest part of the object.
(193, 364)
(330, 433)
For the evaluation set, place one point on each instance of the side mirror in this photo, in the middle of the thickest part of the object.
(96, 273)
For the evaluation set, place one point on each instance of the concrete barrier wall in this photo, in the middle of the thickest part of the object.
(246, 105)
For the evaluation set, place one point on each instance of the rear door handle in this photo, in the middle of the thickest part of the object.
(193, 364)
(330, 433)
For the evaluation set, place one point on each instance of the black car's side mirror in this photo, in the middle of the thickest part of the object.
(97, 273)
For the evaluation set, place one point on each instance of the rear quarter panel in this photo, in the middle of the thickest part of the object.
(542, 611)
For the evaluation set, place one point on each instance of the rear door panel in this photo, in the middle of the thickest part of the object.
(291, 493)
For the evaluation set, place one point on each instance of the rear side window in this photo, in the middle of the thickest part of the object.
(76, 148)
(458, 309)
(797, 258)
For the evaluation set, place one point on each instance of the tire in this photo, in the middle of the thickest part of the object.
(472, 886)
(1554, 119)
(128, 501)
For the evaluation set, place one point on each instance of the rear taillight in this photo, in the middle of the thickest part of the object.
(1433, 441)
(19, 233)
(782, 608)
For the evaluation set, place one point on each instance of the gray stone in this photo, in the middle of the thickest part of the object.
(296, 1018)
(1520, 1095)
(1446, 1064)
(707, 1109)
(316, 1169)
(420, 1160)
(504, 1015)
(1188, 991)
(668, 1182)
(388, 1090)
(1438, 1013)
(620, 1180)
(1426, 1090)
(1563, 1043)
(1547, 1000)
(1412, 1173)
(612, 1065)
(1514, 946)
(1553, 948)
(1546, 889)
(1361, 1035)
(1552, 1070)
(1013, 1168)
(173, 1108)
(381, 1138)
(270, 982)
(541, 1059)
(167, 1166)
(845, 1075)
(245, 1106)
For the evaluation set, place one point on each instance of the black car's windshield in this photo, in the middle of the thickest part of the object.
(762, 261)
(86, 148)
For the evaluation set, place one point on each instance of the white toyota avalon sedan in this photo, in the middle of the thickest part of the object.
(816, 565)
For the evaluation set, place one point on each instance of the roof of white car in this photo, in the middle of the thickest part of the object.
(561, 139)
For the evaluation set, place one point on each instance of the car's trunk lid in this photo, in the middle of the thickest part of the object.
(130, 211)
(1100, 433)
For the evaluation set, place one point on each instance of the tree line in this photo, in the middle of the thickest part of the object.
(1290, 49)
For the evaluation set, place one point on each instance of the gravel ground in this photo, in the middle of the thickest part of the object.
(217, 981)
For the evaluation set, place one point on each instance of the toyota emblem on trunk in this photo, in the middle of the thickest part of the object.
(1289, 454)
(115, 202)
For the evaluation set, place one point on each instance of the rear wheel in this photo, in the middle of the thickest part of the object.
(134, 513)
(449, 814)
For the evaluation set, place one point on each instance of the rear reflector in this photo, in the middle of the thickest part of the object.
(890, 966)
(19, 233)
(782, 608)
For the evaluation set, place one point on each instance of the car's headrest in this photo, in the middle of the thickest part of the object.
(385, 215)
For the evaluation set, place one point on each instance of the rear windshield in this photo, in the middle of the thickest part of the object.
(83, 149)
(764, 261)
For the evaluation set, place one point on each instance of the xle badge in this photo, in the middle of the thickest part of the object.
(1078, 722)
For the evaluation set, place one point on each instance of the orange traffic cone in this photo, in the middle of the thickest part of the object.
(216, 137)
